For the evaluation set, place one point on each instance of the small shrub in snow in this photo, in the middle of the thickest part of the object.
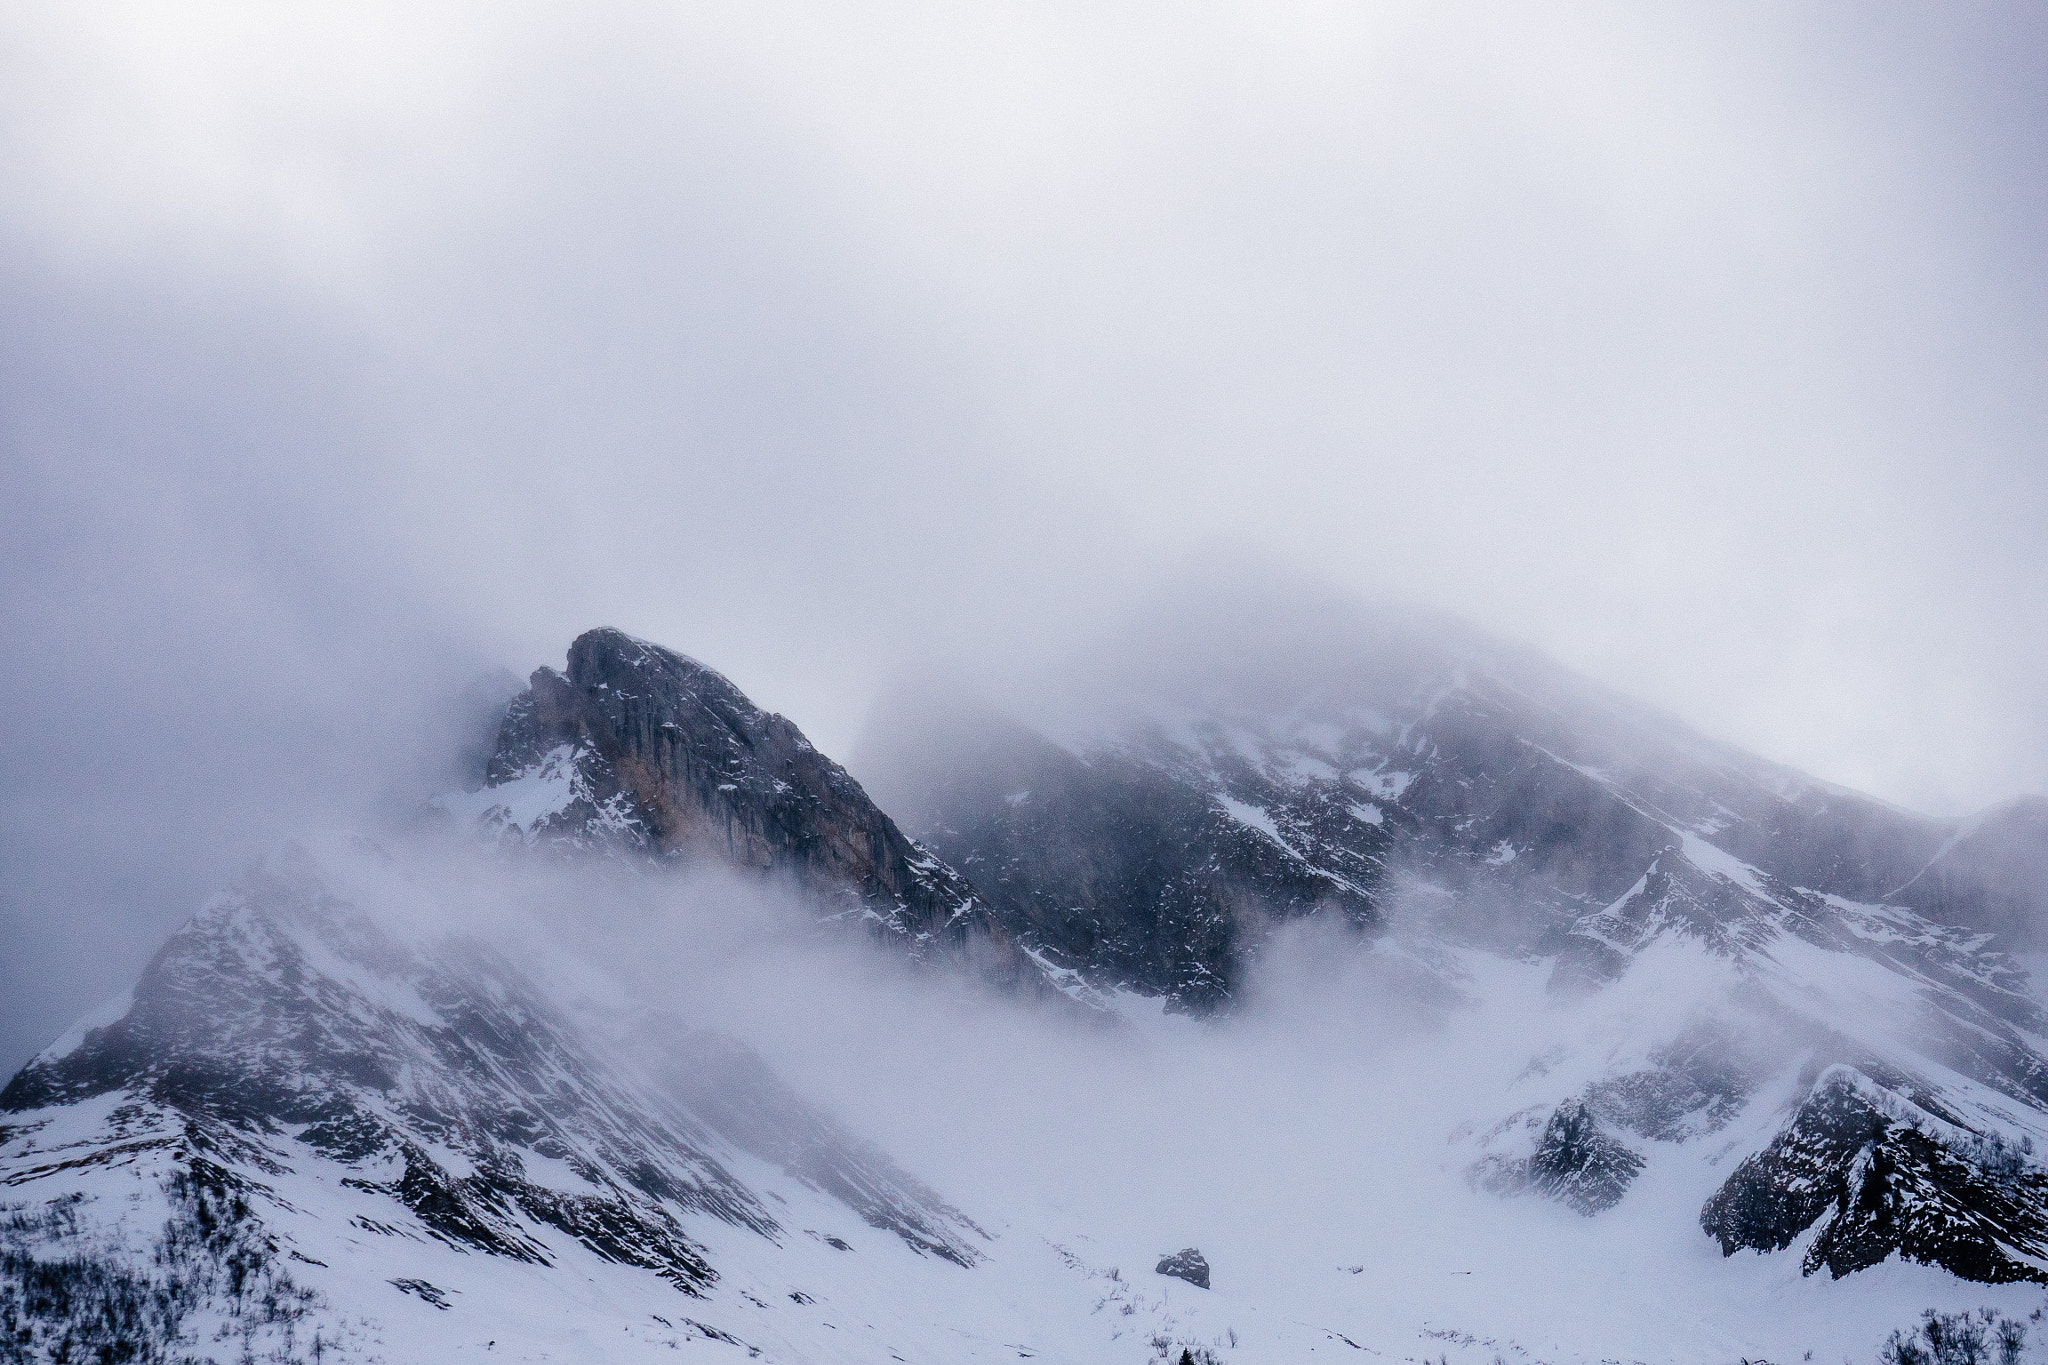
(1986, 1337)
(66, 1298)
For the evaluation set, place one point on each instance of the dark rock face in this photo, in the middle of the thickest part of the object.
(1124, 868)
(1693, 1085)
(1882, 1175)
(641, 749)
(1186, 1264)
(1576, 1161)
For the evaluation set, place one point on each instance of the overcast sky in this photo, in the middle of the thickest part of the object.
(345, 350)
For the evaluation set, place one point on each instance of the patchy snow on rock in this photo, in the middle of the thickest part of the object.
(1709, 858)
(1252, 817)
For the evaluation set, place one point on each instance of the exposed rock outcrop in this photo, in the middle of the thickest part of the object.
(1186, 1264)
(1881, 1174)
(641, 750)
(1575, 1160)
(1142, 875)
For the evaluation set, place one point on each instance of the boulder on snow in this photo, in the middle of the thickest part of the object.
(1185, 1264)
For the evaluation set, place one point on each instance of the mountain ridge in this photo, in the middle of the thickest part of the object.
(314, 1092)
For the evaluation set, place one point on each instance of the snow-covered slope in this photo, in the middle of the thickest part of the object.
(317, 1130)
(1462, 801)
(303, 1088)
(1462, 1014)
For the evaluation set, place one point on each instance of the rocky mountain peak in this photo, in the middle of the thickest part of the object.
(640, 750)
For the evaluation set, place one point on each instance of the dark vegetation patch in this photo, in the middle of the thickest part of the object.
(208, 1288)
(1986, 1337)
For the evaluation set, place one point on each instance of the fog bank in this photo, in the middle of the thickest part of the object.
(348, 352)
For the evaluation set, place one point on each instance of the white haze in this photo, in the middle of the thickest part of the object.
(346, 351)
(1304, 1144)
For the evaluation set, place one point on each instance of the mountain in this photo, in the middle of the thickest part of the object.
(1440, 1004)
(1448, 798)
(301, 1105)
(640, 751)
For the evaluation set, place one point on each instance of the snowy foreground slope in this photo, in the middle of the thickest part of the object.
(1451, 1018)
(310, 1134)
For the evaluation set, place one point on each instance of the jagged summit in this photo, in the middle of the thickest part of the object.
(639, 749)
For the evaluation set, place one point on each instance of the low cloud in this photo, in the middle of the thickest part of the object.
(347, 354)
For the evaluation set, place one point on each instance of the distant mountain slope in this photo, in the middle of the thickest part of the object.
(1436, 791)
(1134, 869)
(1302, 776)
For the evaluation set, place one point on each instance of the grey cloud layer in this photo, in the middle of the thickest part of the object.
(347, 353)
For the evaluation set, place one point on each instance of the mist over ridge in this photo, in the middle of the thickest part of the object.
(1372, 994)
(1391, 654)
